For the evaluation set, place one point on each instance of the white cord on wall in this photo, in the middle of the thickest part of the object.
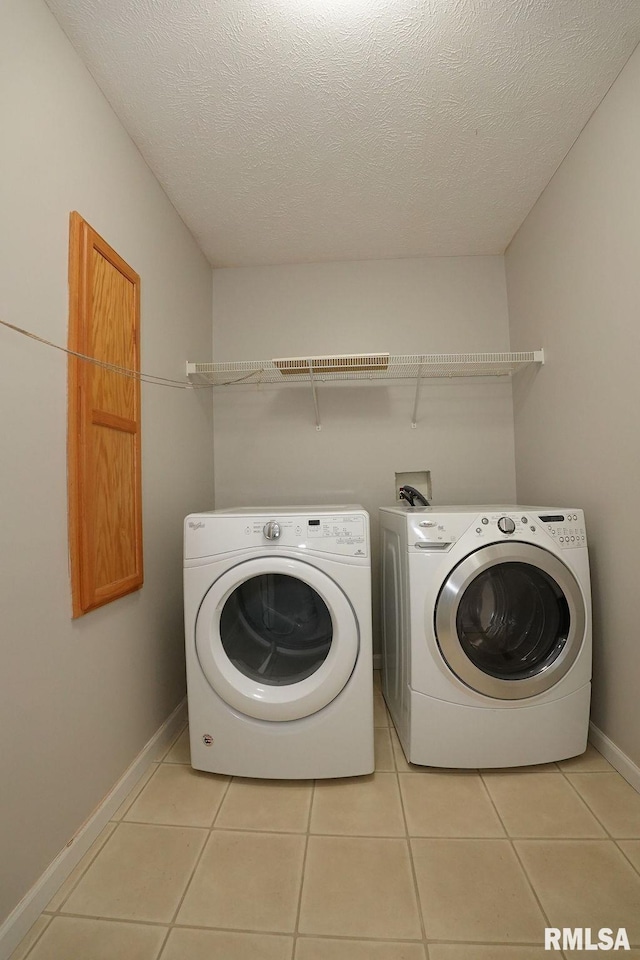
(112, 367)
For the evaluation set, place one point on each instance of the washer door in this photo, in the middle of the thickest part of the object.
(510, 620)
(276, 638)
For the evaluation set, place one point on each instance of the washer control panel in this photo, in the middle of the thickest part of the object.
(506, 526)
(567, 528)
(440, 531)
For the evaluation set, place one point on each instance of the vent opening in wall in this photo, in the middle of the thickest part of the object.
(420, 479)
(334, 364)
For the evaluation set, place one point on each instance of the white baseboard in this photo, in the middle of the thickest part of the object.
(623, 764)
(22, 918)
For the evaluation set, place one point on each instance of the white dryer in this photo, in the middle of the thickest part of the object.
(486, 616)
(278, 641)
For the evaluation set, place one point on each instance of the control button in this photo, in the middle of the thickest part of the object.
(478, 529)
(561, 539)
(524, 519)
(532, 528)
(506, 525)
(271, 530)
(484, 520)
(573, 539)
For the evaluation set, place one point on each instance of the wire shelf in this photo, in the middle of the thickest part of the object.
(377, 366)
(365, 366)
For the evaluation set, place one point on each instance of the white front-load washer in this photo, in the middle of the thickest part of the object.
(277, 606)
(486, 620)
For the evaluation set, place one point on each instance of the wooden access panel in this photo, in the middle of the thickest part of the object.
(104, 475)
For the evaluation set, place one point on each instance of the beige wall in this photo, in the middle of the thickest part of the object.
(266, 447)
(78, 700)
(573, 277)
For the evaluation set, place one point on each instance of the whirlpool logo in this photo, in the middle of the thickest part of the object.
(585, 938)
(195, 526)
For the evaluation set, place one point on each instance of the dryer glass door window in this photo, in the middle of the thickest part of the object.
(513, 621)
(276, 629)
(276, 638)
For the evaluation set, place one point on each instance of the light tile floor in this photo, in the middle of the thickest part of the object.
(410, 863)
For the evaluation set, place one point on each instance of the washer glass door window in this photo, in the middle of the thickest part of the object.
(513, 621)
(510, 620)
(276, 638)
(276, 629)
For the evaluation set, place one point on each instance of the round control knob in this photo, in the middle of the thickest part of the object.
(506, 525)
(271, 530)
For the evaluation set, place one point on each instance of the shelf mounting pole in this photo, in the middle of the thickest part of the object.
(315, 397)
(414, 418)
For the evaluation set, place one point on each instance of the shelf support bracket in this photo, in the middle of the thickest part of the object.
(414, 417)
(315, 397)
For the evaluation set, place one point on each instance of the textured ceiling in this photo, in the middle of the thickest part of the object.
(308, 130)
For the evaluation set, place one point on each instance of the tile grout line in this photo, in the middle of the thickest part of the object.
(58, 910)
(609, 835)
(172, 924)
(506, 837)
(180, 732)
(134, 794)
(551, 838)
(599, 773)
(147, 782)
(629, 861)
(412, 865)
(134, 921)
(144, 781)
(38, 938)
(163, 924)
(615, 840)
(511, 842)
(296, 928)
(589, 808)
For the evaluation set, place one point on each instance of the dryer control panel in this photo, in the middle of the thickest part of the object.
(345, 535)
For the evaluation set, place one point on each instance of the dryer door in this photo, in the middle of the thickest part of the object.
(510, 620)
(276, 638)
